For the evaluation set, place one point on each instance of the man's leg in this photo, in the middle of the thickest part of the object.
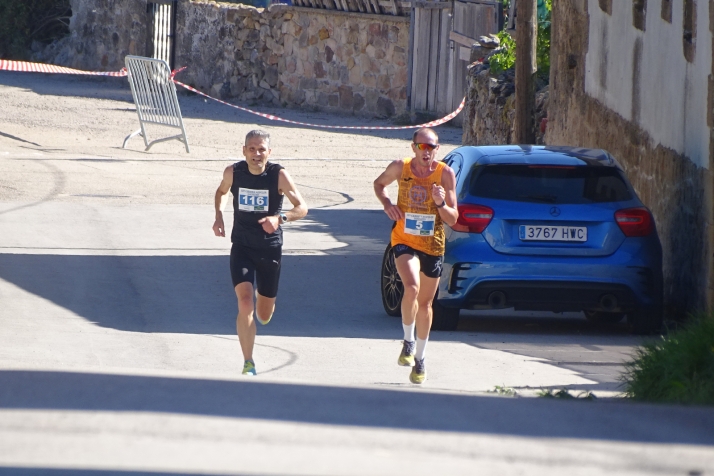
(408, 268)
(264, 308)
(245, 324)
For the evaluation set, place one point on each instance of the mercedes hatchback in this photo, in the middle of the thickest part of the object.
(549, 229)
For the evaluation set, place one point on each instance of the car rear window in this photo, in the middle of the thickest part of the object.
(550, 184)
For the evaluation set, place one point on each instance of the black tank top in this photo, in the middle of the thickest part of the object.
(255, 197)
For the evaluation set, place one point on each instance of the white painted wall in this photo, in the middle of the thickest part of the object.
(673, 92)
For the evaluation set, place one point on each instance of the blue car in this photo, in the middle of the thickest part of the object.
(548, 229)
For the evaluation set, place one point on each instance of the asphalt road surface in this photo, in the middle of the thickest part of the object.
(117, 347)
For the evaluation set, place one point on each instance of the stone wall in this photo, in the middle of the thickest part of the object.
(102, 33)
(490, 108)
(295, 57)
(678, 192)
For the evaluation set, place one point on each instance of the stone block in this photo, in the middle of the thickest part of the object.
(312, 40)
(323, 34)
(308, 70)
(303, 40)
(329, 54)
(346, 97)
(319, 69)
(323, 99)
(370, 51)
(371, 98)
(308, 83)
(238, 85)
(351, 63)
(288, 42)
(355, 76)
(358, 102)
(290, 64)
(271, 76)
(273, 59)
(264, 84)
(383, 82)
(385, 107)
(331, 43)
(369, 80)
(334, 100)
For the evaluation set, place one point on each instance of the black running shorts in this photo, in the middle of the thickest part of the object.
(259, 266)
(430, 265)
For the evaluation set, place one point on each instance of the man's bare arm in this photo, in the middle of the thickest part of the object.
(446, 194)
(287, 187)
(219, 228)
(392, 173)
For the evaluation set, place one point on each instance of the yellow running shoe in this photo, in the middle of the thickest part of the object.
(406, 358)
(249, 368)
(418, 374)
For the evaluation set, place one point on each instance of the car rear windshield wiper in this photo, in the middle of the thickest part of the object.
(540, 198)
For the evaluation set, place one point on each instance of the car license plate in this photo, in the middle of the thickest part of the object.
(553, 233)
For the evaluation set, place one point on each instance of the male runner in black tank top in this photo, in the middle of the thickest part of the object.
(258, 188)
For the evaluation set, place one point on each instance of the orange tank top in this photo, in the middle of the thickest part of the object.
(422, 227)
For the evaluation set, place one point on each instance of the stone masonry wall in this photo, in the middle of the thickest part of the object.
(295, 57)
(102, 33)
(677, 191)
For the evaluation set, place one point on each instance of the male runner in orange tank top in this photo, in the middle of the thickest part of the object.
(427, 200)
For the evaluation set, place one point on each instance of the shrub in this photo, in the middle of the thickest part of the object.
(25, 21)
(506, 57)
(677, 369)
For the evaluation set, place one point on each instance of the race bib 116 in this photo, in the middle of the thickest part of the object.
(419, 224)
(250, 200)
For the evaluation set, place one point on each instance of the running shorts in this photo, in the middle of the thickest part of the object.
(259, 266)
(430, 265)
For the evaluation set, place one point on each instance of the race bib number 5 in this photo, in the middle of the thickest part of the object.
(419, 224)
(250, 200)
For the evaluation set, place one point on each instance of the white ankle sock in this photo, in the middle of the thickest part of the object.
(421, 348)
(409, 332)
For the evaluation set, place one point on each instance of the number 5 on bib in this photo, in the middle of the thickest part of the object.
(419, 224)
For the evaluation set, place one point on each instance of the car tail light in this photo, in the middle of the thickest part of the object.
(634, 221)
(474, 217)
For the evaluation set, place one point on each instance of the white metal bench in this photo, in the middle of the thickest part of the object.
(155, 97)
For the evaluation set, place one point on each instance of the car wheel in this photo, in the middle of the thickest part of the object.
(445, 318)
(392, 287)
(604, 317)
(646, 320)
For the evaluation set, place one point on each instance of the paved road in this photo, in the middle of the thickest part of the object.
(117, 345)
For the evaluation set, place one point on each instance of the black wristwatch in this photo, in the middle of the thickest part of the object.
(283, 218)
(442, 204)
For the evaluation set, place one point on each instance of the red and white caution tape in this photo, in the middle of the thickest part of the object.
(23, 66)
(435, 123)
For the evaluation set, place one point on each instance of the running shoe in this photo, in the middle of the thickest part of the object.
(249, 368)
(261, 320)
(406, 358)
(418, 374)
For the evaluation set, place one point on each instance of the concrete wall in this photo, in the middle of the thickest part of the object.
(633, 92)
(296, 57)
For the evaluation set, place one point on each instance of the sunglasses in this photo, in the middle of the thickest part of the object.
(426, 146)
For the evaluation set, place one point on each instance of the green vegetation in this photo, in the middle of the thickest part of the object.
(677, 369)
(504, 391)
(566, 395)
(506, 58)
(25, 21)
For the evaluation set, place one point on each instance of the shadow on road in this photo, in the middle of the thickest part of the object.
(359, 407)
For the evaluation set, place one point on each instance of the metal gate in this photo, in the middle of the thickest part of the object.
(162, 27)
(443, 32)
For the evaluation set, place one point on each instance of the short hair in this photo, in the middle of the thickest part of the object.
(258, 133)
(425, 129)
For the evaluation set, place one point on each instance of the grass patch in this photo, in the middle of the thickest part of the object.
(503, 391)
(677, 369)
(566, 395)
